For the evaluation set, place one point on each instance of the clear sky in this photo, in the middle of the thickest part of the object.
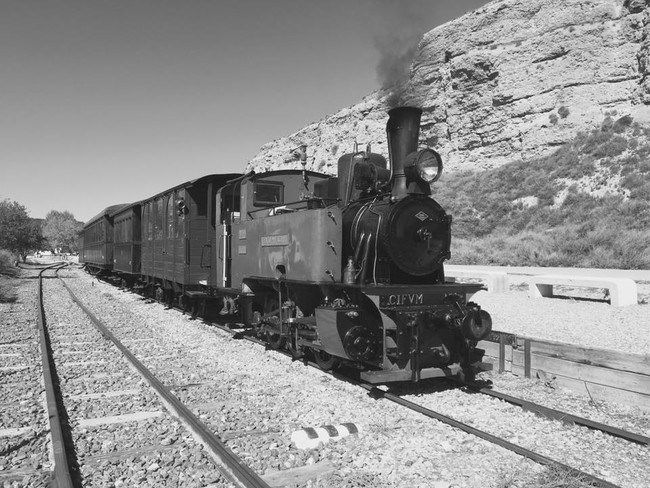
(147, 94)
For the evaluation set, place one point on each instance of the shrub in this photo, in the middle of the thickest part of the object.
(607, 124)
(613, 147)
(644, 151)
(7, 260)
(633, 180)
(644, 167)
(593, 141)
(553, 118)
(641, 192)
(432, 141)
(7, 269)
(563, 112)
(622, 124)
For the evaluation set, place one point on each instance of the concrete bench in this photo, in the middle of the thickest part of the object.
(496, 281)
(622, 291)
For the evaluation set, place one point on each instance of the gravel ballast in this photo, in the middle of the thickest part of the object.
(579, 317)
(255, 399)
(24, 440)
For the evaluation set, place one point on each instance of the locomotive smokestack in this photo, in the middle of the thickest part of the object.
(402, 131)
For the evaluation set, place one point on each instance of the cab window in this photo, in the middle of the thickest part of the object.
(268, 193)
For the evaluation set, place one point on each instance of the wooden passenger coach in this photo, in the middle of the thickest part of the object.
(127, 242)
(98, 240)
(178, 239)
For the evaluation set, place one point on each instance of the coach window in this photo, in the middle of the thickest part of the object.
(158, 220)
(170, 216)
(146, 221)
(268, 193)
(128, 228)
(149, 221)
(200, 197)
(179, 211)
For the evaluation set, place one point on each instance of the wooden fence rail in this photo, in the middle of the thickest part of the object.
(601, 374)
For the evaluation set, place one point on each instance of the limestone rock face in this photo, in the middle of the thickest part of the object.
(510, 81)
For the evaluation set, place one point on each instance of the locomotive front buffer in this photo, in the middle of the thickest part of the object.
(406, 333)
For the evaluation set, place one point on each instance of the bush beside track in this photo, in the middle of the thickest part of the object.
(587, 205)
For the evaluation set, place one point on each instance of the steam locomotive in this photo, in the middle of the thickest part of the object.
(346, 269)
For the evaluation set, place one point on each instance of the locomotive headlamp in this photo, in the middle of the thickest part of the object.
(428, 165)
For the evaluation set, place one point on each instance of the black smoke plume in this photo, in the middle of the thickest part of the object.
(402, 27)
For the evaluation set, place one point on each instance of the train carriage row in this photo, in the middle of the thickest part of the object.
(346, 269)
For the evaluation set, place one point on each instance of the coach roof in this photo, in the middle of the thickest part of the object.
(222, 178)
(107, 212)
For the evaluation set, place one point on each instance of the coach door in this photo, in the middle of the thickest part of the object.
(227, 214)
(158, 237)
(174, 249)
(168, 239)
(223, 243)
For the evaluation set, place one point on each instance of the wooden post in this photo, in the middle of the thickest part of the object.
(527, 358)
(502, 353)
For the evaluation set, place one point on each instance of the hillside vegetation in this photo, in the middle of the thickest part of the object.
(586, 205)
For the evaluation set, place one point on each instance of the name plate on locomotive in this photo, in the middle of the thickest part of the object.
(279, 240)
(401, 300)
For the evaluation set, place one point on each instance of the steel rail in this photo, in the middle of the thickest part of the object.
(61, 477)
(522, 451)
(562, 416)
(230, 465)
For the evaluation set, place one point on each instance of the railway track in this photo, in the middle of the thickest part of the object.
(494, 439)
(189, 385)
(101, 400)
(565, 417)
(26, 436)
(540, 410)
(548, 413)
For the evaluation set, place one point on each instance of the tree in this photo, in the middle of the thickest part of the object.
(61, 230)
(18, 232)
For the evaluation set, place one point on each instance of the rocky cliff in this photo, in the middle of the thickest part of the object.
(510, 81)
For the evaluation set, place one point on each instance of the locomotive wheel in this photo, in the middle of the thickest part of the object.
(466, 375)
(325, 361)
